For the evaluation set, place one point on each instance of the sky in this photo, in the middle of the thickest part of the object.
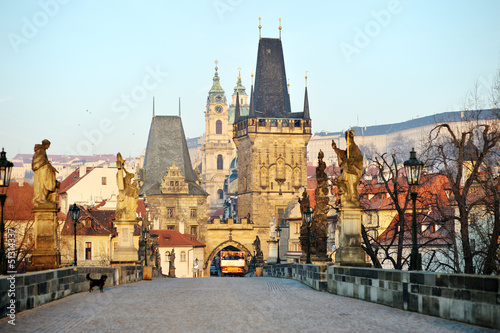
(83, 74)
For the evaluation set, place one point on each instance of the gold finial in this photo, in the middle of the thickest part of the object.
(280, 28)
(239, 73)
(216, 68)
(306, 77)
(260, 27)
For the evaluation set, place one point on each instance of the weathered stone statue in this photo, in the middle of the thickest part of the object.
(351, 166)
(128, 195)
(259, 256)
(45, 183)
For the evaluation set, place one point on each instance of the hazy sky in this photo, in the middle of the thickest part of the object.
(83, 73)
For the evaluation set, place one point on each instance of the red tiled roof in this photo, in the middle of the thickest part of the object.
(173, 238)
(19, 202)
(72, 179)
(94, 222)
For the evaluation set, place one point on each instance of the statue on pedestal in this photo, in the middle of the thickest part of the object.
(351, 166)
(128, 195)
(45, 183)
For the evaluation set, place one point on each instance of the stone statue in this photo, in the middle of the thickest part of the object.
(172, 259)
(259, 256)
(45, 183)
(126, 205)
(272, 228)
(351, 166)
(256, 244)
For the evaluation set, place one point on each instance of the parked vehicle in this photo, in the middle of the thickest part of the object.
(233, 263)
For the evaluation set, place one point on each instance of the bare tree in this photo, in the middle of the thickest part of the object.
(460, 152)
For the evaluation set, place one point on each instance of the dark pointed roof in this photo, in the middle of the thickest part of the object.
(167, 144)
(251, 113)
(237, 108)
(271, 91)
(306, 106)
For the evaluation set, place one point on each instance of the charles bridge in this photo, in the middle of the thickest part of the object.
(291, 297)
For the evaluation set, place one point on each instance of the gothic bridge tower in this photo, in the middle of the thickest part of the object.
(271, 144)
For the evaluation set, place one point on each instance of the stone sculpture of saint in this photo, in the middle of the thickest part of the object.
(128, 194)
(256, 245)
(351, 166)
(45, 183)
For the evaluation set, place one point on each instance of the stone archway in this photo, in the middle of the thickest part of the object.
(222, 245)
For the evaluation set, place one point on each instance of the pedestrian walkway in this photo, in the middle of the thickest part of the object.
(222, 305)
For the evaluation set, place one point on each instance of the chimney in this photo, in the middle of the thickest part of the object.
(82, 171)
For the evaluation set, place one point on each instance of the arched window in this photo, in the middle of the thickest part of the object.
(220, 194)
(183, 256)
(218, 127)
(220, 165)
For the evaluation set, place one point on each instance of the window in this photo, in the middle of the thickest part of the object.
(274, 122)
(88, 251)
(220, 194)
(220, 165)
(297, 123)
(193, 230)
(183, 256)
(170, 227)
(170, 212)
(193, 212)
(285, 123)
(262, 122)
(218, 127)
(103, 181)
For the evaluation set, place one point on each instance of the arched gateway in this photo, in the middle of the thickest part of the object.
(223, 245)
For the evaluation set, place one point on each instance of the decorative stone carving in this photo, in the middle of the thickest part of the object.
(126, 206)
(173, 181)
(351, 166)
(45, 183)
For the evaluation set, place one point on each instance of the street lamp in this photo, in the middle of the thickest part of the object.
(145, 236)
(413, 171)
(308, 217)
(75, 214)
(278, 230)
(5, 172)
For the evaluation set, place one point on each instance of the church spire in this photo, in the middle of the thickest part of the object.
(237, 109)
(251, 113)
(306, 103)
(216, 87)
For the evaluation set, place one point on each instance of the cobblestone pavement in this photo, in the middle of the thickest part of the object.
(222, 305)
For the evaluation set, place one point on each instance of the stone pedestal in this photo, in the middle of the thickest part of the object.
(45, 255)
(272, 256)
(350, 252)
(125, 251)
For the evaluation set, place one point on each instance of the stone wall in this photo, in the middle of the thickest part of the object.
(34, 289)
(472, 299)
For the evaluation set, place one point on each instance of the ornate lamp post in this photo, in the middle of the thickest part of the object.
(5, 172)
(278, 230)
(145, 236)
(413, 171)
(75, 214)
(308, 217)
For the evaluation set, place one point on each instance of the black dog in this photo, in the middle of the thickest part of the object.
(97, 283)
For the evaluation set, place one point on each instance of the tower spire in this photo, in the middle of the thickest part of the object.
(260, 27)
(251, 112)
(237, 109)
(280, 28)
(306, 103)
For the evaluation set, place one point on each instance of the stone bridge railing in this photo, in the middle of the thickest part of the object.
(29, 290)
(472, 299)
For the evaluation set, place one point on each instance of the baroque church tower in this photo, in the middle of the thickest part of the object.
(218, 149)
(271, 143)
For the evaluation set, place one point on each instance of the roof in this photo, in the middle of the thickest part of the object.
(167, 144)
(100, 223)
(429, 234)
(173, 238)
(19, 202)
(445, 117)
(270, 95)
(72, 179)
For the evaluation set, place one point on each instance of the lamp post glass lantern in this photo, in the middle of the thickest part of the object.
(307, 218)
(413, 172)
(5, 173)
(75, 215)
